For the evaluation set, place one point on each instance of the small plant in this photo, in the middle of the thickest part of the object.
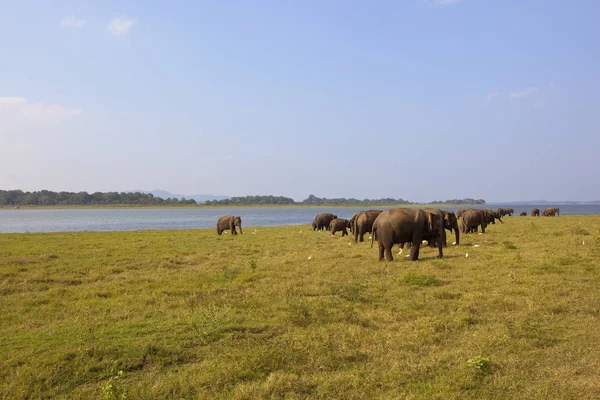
(113, 388)
(253, 265)
(416, 279)
(481, 365)
(351, 292)
(230, 273)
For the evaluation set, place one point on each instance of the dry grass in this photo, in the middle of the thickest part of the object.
(188, 314)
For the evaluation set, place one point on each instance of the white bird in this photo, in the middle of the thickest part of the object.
(480, 233)
(453, 243)
(475, 245)
(309, 258)
(408, 256)
(349, 243)
(584, 242)
(467, 255)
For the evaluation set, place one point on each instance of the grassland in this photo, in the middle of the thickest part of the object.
(188, 314)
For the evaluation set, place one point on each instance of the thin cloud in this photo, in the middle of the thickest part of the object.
(120, 26)
(7, 101)
(71, 21)
(523, 93)
(36, 111)
(491, 96)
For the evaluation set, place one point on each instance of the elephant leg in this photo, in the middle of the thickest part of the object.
(414, 251)
(355, 234)
(440, 245)
(381, 249)
(414, 248)
(344, 233)
(388, 253)
(482, 228)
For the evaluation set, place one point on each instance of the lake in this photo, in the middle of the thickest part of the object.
(130, 219)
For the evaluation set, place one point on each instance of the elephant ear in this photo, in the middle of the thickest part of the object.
(447, 220)
(430, 223)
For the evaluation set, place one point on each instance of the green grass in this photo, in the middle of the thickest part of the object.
(189, 314)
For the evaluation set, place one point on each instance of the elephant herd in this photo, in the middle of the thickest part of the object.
(397, 226)
(403, 226)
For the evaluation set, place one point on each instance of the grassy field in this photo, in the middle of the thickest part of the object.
(188, 314)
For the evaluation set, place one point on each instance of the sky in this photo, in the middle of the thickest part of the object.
(415, 99)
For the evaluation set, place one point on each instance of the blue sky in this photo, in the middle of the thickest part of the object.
(417, 99)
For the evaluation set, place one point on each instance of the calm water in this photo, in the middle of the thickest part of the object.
(184, 218)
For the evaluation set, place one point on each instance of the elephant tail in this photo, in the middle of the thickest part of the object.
(373, 233)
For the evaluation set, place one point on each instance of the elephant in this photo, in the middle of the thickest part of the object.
(351, 222)
(338, 224)
(501, 212)
(402, 225)
(551, 212)
(535, 212)
(363, 223)
(523, 214)
(460, 212)
(491, 216)
(448, 220)
(471, 220)
(229, 222)
(322, 221)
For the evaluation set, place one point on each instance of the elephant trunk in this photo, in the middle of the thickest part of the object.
(240, 229)
(456, 233)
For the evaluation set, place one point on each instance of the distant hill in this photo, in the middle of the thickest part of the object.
(200, 198)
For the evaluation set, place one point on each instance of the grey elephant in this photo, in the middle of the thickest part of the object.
(471, 220)
(551, 212)
(535, 212)
(404, 225)
(338, 224)
(363, 223)
(229, 222)
(523, 214)
(351, 222)
(322, 221)
(491, 216)
(449, 221)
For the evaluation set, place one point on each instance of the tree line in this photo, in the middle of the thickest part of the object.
(49, 198)
(251, 201)
(314, 200)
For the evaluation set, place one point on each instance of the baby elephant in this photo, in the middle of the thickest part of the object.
(229, 222)
(338, 224)
(523, 214)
